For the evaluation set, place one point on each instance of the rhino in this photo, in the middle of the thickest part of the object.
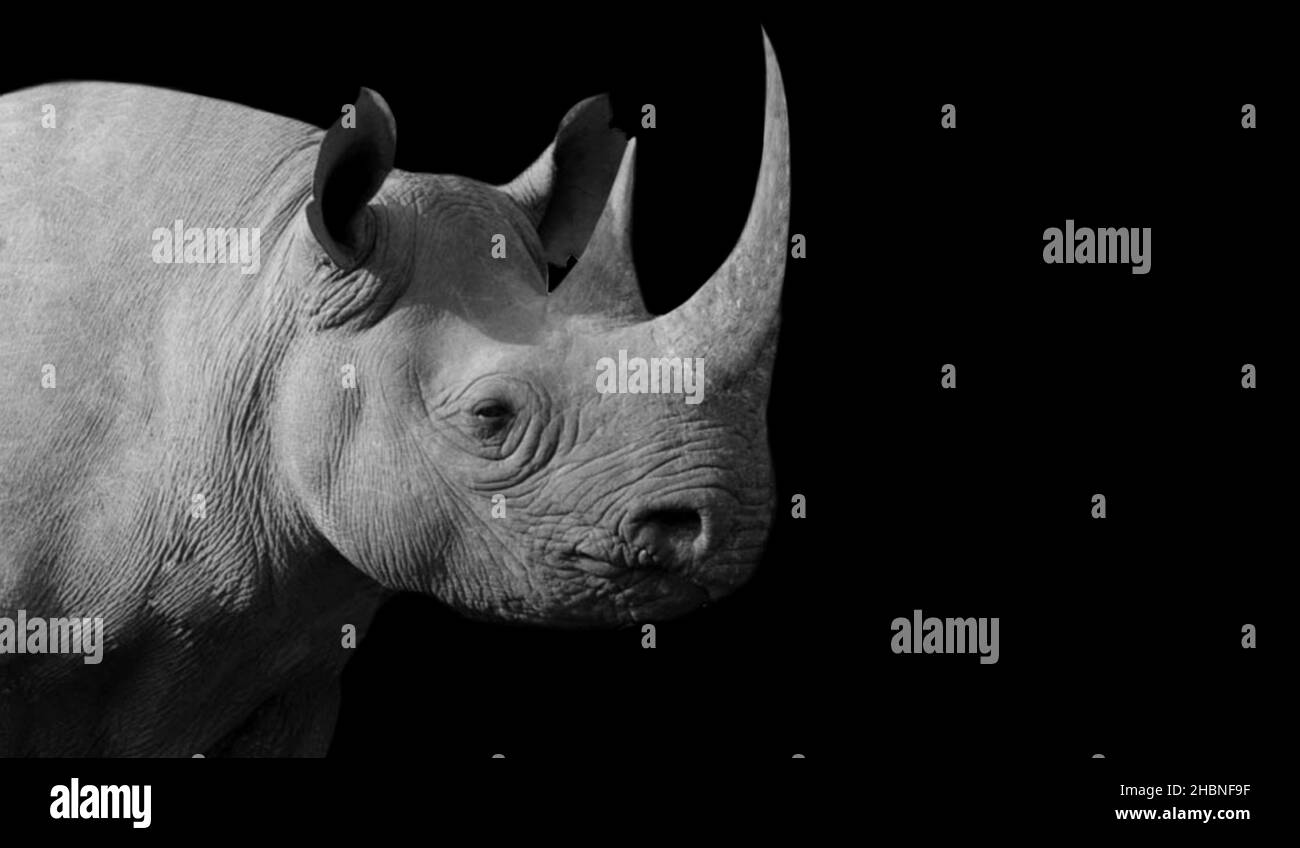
(231, 465)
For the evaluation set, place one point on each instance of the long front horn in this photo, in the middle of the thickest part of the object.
(734, 317)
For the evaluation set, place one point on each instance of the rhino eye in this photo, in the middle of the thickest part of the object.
(492, 411)
(490, 419)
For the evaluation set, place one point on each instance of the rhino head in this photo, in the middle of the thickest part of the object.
(471, 456)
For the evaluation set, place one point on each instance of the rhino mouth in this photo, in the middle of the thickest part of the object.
(593, 566)
(620, 556)
(630, 566)
(615, 560)
(638, 595)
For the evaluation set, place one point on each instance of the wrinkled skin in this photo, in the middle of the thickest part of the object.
(223, 631)
(460, 408)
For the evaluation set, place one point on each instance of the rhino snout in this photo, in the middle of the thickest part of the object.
(695, 540)
(670, 537)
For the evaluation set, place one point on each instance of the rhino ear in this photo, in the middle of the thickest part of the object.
(564, 191)
(354, 159)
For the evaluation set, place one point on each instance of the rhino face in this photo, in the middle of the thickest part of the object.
(449, 426)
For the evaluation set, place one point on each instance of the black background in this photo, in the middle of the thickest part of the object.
(1118, 636)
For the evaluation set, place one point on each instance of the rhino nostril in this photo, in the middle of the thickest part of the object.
(668, 536)
(676, 521)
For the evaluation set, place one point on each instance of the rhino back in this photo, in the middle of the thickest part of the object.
(129, 385)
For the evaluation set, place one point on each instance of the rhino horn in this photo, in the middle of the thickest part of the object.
(604, 282)
(734, 317)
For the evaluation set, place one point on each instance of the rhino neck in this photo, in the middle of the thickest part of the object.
(225, 341)
(142, 487)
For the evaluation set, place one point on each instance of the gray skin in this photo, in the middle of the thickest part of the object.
(224, 633)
